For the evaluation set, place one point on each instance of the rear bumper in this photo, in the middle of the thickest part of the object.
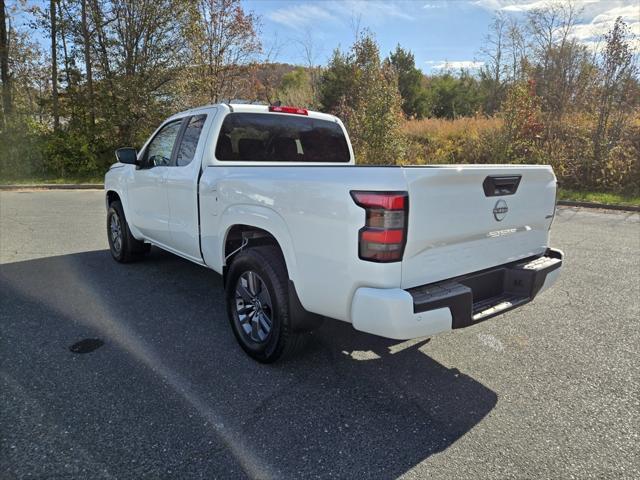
(454, 303)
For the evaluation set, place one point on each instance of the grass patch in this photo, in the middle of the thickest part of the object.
(50, 180)
(598, 197)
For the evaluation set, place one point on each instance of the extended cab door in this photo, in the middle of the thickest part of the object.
(182, 188)
(148, 205)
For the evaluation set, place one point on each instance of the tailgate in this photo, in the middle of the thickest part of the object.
(468, 218)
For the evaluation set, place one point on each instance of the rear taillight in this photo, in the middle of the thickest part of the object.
(384, 235)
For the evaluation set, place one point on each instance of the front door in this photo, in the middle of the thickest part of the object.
(148, 201)
(182, 189)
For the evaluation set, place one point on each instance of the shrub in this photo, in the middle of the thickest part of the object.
(465, 140)
(21, 146)
(70, 154)
(522, 124)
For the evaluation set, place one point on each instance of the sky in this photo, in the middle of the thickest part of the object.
(442, 34)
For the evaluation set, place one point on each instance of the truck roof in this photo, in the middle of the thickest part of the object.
(251, 108)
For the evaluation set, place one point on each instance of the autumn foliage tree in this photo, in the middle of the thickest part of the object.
(223, 44)
(522, 122)
(617, 71)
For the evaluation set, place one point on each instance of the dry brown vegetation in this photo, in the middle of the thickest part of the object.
(568, 148)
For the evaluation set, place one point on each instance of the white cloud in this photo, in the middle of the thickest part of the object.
(590, 32)
(372, 10)
(455, 65)
(299, 16)
(524, 5)
(594, 20)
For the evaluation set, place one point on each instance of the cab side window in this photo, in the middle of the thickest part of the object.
(189, 141)
(159, 151)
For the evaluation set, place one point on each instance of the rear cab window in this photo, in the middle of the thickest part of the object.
(269, 137)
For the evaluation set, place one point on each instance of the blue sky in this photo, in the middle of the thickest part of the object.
(440, 33)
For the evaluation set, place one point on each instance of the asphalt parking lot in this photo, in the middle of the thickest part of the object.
(551, 390)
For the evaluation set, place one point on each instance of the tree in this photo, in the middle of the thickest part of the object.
(516, 49)
(410, 83)
(4, 65)
(560, 59)
(617, 72)
(296, 88)
(492, 72)
(337, 81)
(139, 47)
(364, 92)
(86, 48)
(522, 122)
(54, 64)
(313, 69)
(223, 43)
(452, 96)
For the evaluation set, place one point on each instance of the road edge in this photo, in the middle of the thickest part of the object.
(53, 186)
(99, 186)
(605, 206)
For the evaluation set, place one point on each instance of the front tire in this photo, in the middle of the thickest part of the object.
(123, 245)
(257, 298)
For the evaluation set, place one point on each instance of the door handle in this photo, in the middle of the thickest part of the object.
(498, 185)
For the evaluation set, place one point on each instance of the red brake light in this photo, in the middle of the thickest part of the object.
(294, 110)
(388, 201)
(384, 235)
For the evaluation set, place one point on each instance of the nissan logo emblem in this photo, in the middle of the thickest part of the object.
(500, 210)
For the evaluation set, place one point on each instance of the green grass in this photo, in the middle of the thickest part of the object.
(52, 180)
(598, 197)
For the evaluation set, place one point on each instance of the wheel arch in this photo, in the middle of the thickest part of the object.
(264, 226)
(112, 196)
(302, 320)
(115, 194)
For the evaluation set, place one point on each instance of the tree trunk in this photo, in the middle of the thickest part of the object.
(54, 66)
(65, 53)
(4, 65)
(87, 64)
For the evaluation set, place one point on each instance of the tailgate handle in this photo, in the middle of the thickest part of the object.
(495, 186)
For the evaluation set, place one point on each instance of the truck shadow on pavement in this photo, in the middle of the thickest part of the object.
(170, 394)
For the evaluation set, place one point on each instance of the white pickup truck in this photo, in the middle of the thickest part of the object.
(271, 198)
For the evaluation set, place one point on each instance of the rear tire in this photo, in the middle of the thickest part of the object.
(123, 245)
(257, 298)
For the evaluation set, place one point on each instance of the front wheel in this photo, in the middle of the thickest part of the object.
(257, 299)
(122, 244)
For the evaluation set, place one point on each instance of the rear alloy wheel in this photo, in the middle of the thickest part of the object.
(254, 307)
(257, 296)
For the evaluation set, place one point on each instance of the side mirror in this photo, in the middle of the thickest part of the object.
(127, 155)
